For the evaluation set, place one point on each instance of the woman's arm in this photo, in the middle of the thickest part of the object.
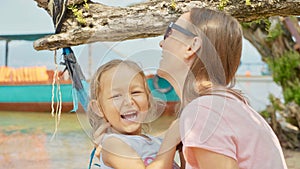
(208, 160)
(167, 149)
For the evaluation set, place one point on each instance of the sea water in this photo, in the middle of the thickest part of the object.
(257, 89)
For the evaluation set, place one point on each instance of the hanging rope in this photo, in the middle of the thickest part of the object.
(56, 83)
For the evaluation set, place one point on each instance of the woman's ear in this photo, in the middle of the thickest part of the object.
(193, 48)
(96, 108)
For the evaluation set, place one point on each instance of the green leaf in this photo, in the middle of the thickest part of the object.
(248, 2)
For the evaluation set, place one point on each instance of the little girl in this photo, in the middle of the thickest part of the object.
(120, 97)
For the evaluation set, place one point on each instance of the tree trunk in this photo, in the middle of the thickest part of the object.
(257, 34)
(149, 19)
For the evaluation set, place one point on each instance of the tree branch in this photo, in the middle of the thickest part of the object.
(149, 19)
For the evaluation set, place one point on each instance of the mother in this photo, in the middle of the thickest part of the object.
(219, 130)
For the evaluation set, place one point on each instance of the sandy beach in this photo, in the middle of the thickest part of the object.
(292, 159)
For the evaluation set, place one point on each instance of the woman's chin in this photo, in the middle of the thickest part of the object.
(163, 74)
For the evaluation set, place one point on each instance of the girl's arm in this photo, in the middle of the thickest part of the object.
(119, 155)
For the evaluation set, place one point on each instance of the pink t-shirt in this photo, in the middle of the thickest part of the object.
(227, 126)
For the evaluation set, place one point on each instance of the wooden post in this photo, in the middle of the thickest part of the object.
(90, 60)
(6, 52)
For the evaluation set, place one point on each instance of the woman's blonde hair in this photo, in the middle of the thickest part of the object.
(219, 55)
(95, 89)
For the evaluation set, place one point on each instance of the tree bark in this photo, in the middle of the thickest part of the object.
(257, 34)
(149, 19)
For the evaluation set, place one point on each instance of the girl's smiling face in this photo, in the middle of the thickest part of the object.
(123, 99)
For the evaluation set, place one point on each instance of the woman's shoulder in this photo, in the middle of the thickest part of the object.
(214, 98)
(209, 104)
(203, 100)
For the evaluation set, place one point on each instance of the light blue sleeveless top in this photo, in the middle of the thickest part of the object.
(147, 148)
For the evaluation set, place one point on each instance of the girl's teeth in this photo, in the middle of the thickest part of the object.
(129, 116)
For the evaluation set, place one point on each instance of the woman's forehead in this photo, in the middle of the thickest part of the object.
(185, 22)
(184, 19)
(185, 16)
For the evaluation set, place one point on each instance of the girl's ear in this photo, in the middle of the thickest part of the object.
(193, 48)
(95, 108)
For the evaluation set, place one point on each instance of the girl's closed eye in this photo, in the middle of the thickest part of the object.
(115, 96)
(137, 92)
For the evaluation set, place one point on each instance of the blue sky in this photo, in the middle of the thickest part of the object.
(25, 17)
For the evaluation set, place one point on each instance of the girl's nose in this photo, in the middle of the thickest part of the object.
(128, 100)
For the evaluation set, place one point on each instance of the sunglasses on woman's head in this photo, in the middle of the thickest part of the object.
(178, 28)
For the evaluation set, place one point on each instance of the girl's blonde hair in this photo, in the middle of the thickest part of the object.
(219, 56)
(95, 89)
